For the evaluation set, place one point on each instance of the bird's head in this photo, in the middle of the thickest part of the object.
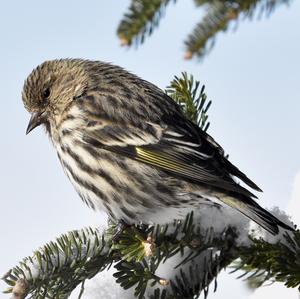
(51, 88)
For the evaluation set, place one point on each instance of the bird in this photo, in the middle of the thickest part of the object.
(129, 149)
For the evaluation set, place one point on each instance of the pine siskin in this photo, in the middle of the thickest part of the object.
(128, 148)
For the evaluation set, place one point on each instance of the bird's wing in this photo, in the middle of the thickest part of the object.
(181, 149)
(154, 130)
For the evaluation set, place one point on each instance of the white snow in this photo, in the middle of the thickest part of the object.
(103, 286)
(259, 232)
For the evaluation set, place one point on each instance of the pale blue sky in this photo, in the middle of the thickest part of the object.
(252, 76)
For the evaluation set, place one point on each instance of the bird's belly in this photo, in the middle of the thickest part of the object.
(123, 188)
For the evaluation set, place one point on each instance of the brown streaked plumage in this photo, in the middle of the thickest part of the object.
(127, 147)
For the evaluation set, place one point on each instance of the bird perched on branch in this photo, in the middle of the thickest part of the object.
(128, 148)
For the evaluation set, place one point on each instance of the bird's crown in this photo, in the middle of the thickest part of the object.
(53, 80)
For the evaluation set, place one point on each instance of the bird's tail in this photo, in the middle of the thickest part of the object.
(252, 210)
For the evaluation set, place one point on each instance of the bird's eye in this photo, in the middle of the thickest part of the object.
(46, 93)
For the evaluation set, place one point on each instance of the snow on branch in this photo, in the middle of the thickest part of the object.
(184, 258)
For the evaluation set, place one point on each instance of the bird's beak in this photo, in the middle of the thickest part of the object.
(37, 118)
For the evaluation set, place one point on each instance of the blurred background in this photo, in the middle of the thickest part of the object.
(252, 76)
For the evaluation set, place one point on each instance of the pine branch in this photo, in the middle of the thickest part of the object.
(185, 91)
(57, 268)
(143, 17)
(264, 262)
(220, 15)
(202, 39)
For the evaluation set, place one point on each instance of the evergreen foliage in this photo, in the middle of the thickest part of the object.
(271, 262)
(143, 16)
